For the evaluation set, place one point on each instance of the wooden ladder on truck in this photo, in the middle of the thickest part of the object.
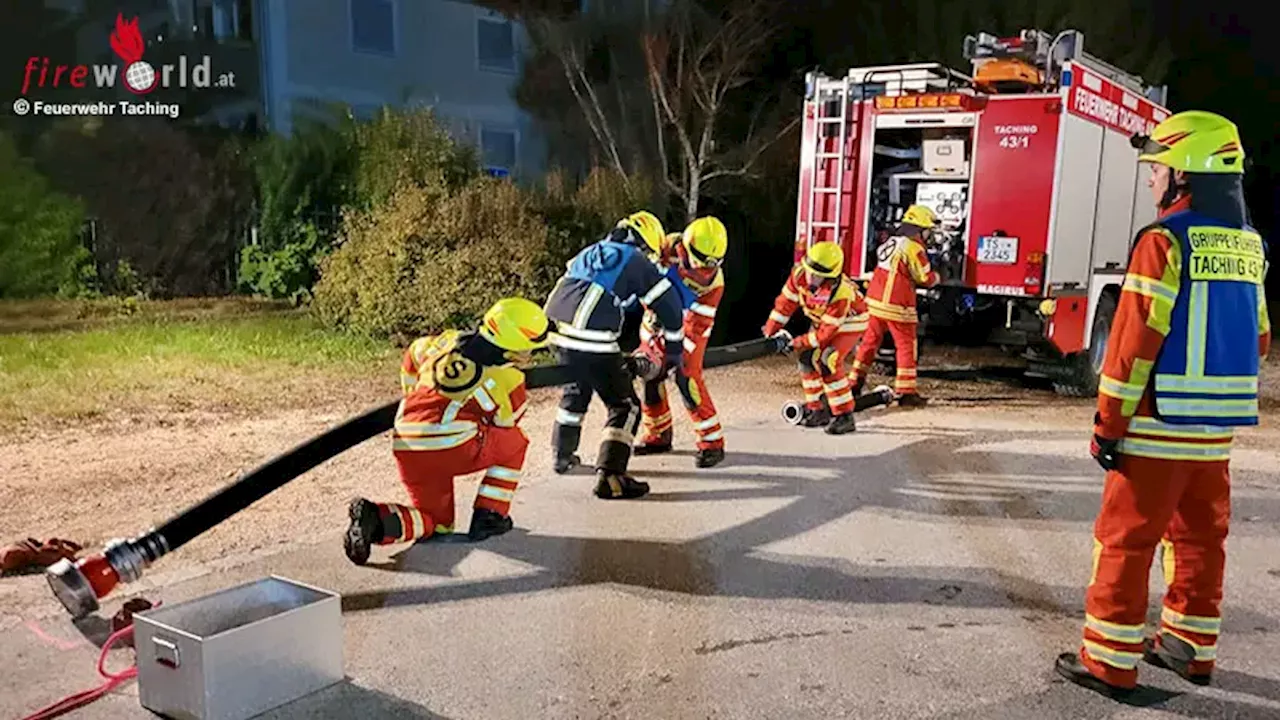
(828, 91)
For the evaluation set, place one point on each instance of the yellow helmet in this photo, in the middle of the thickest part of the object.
(706, 240)
(824, 259)
(1194, 141)
(648, 227)
(920, 216)
(515, 325)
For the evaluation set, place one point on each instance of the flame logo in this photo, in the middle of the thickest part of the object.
(139, 77)
(126, 40)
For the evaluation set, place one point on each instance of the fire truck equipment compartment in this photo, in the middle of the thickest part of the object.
(945, 157)
(239, 652)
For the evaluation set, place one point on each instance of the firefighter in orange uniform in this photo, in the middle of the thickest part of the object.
(891, 299)
(1180, 373)
(837, 312)
(463, 400)
(694, 256)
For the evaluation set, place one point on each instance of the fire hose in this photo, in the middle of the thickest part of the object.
(81, 585)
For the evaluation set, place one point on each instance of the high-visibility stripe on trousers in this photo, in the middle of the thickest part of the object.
(605, 375)
(428, 477)
(905, 345)
(1182, 507)
(697, 401)
(820, 379)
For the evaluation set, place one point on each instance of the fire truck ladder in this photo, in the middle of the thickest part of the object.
(821, 157)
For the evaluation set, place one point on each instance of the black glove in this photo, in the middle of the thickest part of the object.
(782, 340)
(639, 365)
(1105, 452)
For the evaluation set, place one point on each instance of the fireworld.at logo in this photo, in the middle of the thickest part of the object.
(137, 75)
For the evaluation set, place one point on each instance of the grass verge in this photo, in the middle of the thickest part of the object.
(61, 363)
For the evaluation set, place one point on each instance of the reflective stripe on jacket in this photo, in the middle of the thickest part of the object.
(1144, 317)
(830, 311)
(903, 265)
(449, 399)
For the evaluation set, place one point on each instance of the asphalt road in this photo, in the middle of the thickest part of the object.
(930, 566)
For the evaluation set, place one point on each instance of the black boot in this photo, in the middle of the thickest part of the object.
(663, 445)
(815, 418)
(364, 531)
(616, 486)
(842, 424)
(912, 400)
(486, 523)
(1172, 654)
(857, 387)
(1072, 668)
(565, 464)
(709, 457)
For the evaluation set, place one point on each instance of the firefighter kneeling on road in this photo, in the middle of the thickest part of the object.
(693, 259)
(1180, 373)
(602, 283)
(463, 400)
(838, 316)
(891, 299)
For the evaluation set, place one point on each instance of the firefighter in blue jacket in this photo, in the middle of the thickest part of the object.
(604, 282)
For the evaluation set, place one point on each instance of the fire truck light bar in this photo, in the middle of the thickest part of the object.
(928, 101)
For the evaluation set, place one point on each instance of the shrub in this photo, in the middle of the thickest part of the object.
(407, 147)
(427, 260)
(300, 179)
(40, 249)
(173, 212)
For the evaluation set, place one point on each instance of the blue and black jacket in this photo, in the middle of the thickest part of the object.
(602, 283)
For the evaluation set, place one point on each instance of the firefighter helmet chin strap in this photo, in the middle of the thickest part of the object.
(1173, 191)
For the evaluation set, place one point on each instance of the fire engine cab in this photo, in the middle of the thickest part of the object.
(1027, 162)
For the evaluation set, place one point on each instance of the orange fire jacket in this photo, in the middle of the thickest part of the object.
(903, 266)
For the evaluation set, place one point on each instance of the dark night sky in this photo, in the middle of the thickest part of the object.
(1228, 61)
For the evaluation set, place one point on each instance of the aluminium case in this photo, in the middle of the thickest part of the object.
(239, 652)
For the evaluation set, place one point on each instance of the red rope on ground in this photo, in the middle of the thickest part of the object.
(113, 681)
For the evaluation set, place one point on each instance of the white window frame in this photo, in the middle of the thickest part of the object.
(492, 16)
(484, 127)
(395, 31)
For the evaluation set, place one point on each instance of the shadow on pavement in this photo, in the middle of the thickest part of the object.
(348, 700)
(728, 563)
(1064, 701)
(925, 477)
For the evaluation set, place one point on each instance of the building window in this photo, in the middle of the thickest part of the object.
(373, 26)
(495, 42)
(498, 149)
(220, 20)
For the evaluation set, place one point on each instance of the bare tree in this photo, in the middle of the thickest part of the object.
(696, 63)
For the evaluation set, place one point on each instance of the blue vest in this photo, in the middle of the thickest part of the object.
(687, 298)
(1207, 370)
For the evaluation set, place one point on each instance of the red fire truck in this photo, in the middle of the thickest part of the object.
(1028, 163)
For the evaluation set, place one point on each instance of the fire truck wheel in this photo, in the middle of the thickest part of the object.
(1083, 369)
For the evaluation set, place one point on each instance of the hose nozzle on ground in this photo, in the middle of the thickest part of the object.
(79, 586)
(792, 412)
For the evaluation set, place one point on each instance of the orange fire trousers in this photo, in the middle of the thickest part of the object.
(428, 477)
(819, 381)
(904, 342)
(1184, 508)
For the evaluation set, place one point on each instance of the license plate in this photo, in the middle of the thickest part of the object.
(997, 250)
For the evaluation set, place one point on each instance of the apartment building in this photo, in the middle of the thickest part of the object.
(461, 59)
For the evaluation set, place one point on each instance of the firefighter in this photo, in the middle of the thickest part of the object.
(891, 299)
(837, 313)
(463, 399)
(603, 282)
(694, 258)
(1180, 373)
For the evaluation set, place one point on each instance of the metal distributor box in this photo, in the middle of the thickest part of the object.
(239, 652)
